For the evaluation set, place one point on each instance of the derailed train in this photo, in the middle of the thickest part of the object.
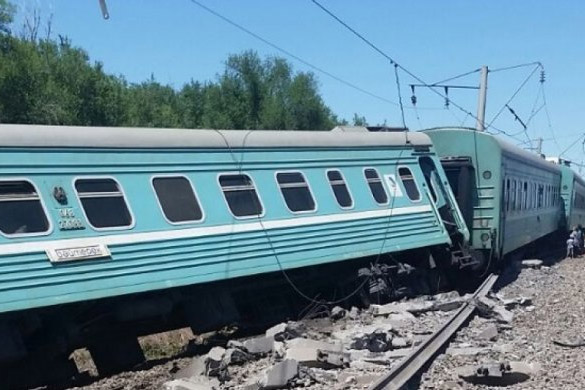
(110, 233)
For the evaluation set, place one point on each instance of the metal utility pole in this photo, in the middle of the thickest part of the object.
(482, 98)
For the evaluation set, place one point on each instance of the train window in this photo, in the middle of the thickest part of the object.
(534, 196)
(339, 188)
(295, 191)
(507, 194)
(540, 195)
(21, 210)
(240, 194)
(525, 196)
(519, 196)
(375, 184)
(513, 198)
(177, 199)
(409, 183)
(103, 203)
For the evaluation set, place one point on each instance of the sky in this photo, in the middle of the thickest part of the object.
(178, 41)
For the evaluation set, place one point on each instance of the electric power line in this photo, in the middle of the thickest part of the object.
(515, 93)
(516, 66)
(393, 62)
(291, 55)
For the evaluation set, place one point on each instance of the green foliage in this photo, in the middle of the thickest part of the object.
(49, 82)
(6, 16)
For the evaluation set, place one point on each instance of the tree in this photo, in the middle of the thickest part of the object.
(359, 120)
(7, 11)
(45, 81)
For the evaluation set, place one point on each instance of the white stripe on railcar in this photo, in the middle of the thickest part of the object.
(133, 238)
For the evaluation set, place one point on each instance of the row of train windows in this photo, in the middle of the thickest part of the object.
(524, 195)
(105, 207)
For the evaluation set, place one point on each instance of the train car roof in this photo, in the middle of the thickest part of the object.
(505, 147)
(129, 137)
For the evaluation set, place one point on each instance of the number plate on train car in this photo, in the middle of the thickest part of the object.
(60, 255)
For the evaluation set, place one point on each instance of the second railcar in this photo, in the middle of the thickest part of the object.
(508, 196)
(573, 194)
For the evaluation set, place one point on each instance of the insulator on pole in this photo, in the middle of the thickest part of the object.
(413, 97)
(542, 76)
(446, 97)
(104, 8)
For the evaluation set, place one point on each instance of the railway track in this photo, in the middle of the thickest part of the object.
(402, 373)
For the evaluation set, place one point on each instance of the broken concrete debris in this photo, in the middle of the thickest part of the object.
(259, 345)
(337, 313)
(490, 333)
(283, 331)
(279, 375)
(532, 263)
(186, 384)
(313, 353)
(440, 302)
(236, 356)
(214, 363)
(466, 351)
(489, 308)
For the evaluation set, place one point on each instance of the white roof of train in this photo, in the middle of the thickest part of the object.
(128, 137)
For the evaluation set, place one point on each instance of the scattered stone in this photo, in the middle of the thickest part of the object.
(503, 348)
(489, 308)
(185, 384)
(466, 351)
(279, 375)
(312, 353)
(214, 363)
(282, 332)
(194, 369)
(354, 313)
(235, 344)
(259, 345)
(376, 341)
(236, 356)
(449, 305)
(489, 333)
(400, 342)
(502, 315)
(279, 349)
(337, 313)
(414, 307)
(532, 263)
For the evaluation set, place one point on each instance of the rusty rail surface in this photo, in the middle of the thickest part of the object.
(411, 364)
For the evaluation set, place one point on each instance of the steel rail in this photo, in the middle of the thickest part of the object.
(411, 364)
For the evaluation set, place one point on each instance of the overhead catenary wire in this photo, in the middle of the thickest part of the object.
(394, 62)
(549, 123)
(538, 63)
(399, 95)
(538, 66)
(292, 55)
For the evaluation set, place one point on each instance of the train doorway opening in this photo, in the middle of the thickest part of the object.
(461, 176)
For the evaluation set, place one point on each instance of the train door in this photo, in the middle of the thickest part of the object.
(440, 197)
(461, 176)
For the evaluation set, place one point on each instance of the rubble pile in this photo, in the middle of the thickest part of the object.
(350, 349)
(527, 336)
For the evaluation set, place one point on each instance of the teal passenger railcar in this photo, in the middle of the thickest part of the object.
(508, 196)
(90, 215)
(573, 194)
